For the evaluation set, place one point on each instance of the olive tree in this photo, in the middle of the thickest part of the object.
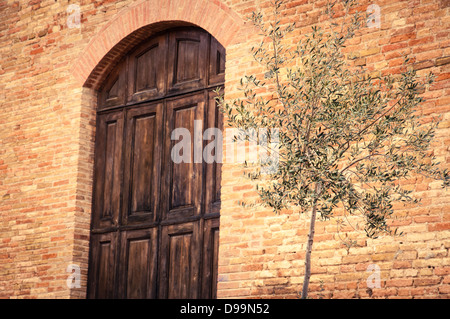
(345, 139)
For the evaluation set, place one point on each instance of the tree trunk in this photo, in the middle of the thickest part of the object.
(309, 245)
(308, 253)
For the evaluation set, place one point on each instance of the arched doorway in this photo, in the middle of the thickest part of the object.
(155, 223)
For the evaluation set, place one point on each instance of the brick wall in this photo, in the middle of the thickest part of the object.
(47, 130)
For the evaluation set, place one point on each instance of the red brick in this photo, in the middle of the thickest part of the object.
(49, 256)
(442, 271)
(36, 51)
(403, 37)
(439, 226)
(442, 77)
(444, 289)
(59, 183)
(392, 47)
(242, 187)
(403, 264)
(421, 41)
(426, 281)
(426, 219)
(399, 282)
(47, 135)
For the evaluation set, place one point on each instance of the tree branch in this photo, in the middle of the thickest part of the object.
(359, 160)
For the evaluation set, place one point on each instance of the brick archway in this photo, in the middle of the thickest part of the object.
(107, 47)
(137, 22)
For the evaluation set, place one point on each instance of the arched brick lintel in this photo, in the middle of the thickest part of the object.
(137, 22)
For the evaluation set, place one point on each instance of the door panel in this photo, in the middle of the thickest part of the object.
(180, 263)
(147, 73)
(142, 164)
(113, 92)
(217, 63)
(214, 150)
(210, 258)
(138, 264)
(103, 266)
(183, 181)
(108, 170)
(188, 51)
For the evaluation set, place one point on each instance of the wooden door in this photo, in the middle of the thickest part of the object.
(155, 220)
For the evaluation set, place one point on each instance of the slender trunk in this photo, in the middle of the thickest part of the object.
(308, 252)
(309, 245)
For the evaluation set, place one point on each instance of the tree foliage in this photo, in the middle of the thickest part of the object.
(344, 137)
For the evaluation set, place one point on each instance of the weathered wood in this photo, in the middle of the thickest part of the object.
(142, 164)
(138, 264)
(146, 70)
(108, 169)
(188, 58)
(102, 268)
